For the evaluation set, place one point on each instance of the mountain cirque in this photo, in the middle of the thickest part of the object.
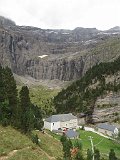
(53, 54)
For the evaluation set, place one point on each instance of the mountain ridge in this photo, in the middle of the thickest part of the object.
(69, 53)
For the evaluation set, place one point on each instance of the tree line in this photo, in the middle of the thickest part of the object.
(79, 97)
(16, 108)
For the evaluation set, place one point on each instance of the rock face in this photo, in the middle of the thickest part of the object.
(68, 52)
(107, 109)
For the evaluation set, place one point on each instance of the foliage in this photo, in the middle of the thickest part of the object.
(89, 155)
(8, 97)
(79, 97)
(96, 154)
(43, 98)
(112, 155)
(11, 139)
(79, 156)
(18, 112)
(35, 139)
(67, 146)
(78, 144)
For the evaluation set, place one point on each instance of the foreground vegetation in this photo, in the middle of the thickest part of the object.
(17, 111)
(42, 97)
(49, 147)
(11, 139)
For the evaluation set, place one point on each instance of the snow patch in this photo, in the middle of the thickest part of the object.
(43, 56)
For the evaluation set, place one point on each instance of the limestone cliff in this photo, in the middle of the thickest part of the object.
(68, 53)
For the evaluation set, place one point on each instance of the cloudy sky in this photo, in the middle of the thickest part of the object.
(67, 14)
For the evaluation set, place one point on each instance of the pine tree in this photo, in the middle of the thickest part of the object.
(38, 122)
(2, 93)
(2, 86)
(63, 138)
(112, 155)
(97, 154)
(25, 111)
(79, 156)
(78, 144)
(67, 146)
(89, 154)
(11, 92)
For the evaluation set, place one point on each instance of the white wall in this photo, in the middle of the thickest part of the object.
(51, 126)
(47, 125)
(73, 123)
(116, 131)
(69, 124)
(55, 125)
(64, 124)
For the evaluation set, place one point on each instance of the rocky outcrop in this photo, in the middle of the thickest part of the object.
(107, 107)
(56, 68)
(69, 53)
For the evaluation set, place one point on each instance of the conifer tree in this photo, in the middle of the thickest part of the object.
(2, 87)
(11, 92)
(79, 156)
(38, 122)
(67, 146)
(89, 154)
(112, 155)
(96, 154)
(25, 112)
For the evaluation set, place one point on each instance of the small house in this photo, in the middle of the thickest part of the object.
(60, 121)
(107, 129)
(71, 134)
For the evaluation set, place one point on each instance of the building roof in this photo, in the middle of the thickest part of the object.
(71, 134)
(107, 127)
(60, 118)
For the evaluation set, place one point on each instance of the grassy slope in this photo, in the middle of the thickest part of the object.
(50, 148)
(39, 95)
(10, 140)
(50, 145)
(104, 144)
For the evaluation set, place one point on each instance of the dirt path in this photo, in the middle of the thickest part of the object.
(10, 154)
(50, 158)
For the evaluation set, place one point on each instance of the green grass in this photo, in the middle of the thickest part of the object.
(50, 145)
(11, 139)
(104, 144)
(42, 96)
(29, 154)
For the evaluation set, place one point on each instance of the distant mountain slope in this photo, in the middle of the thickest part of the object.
(68, 54)
(81, 96)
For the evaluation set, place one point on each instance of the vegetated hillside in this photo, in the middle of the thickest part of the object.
(82, 94)
(43, 97)
(17, 146)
